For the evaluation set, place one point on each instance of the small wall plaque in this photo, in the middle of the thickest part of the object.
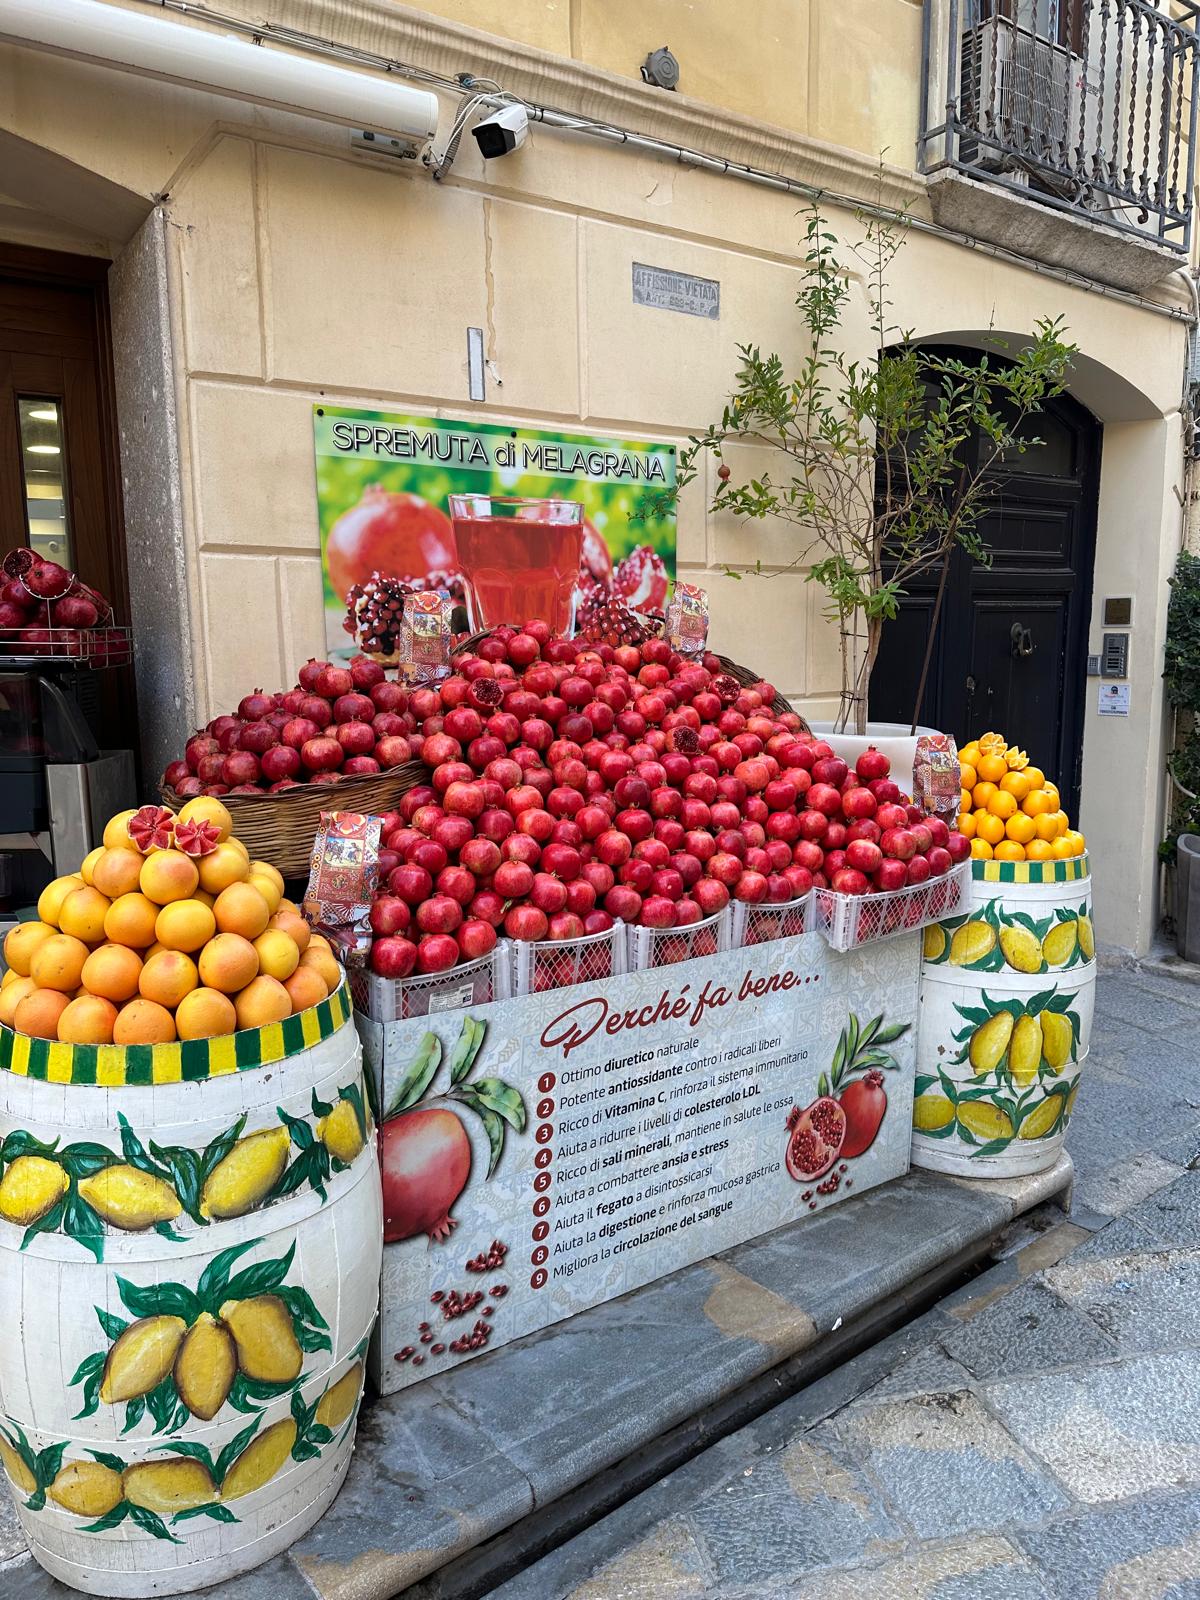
(676, 291)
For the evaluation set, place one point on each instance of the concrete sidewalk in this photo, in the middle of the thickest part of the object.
(1036, 1436)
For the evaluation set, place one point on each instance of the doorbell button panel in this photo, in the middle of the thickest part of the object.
(1114, 657)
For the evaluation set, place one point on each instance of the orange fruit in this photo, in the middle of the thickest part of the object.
(1036, 776)
(88, 862)
(1015, 783)
(1062, 820)
(1052, 791)
(185, 925)
(168, 875)
(117, 872)
(966, 825)
(239, 847)
(991, 768)
(21, 942)
(265, 869)
(1046, 826)
(1036, 803)
(321, 942)
(207, 808)
(204, 897)
(204, 1014)
(38, 1013)
(278, 955)
(967, 776)
(88, 1020)
(13, 993)
(267, 887)
(228, 963)
(325, 962)
(143, 1022)
(116, 832)
(981, 794)
(1076, 841)
(1062, 849)
(1038, 850)
(294, 925)
(288, 905)
(167, 977)
(52, 896)
(58, 963)
(225, 865)
(1009, 850)
(262, 1001)
(112, 972)
(980, 850)
(130, 920)
(306, 987)
(8, 976)
(1002, 805)
(969, 753)
(1020, 828)
(82, 914)
(988, 828)
(964, 799)
(241, 909)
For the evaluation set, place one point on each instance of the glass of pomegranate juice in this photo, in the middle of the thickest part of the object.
(520, 558)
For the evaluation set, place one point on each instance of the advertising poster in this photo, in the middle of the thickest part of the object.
(384, 488)
(546, 1153)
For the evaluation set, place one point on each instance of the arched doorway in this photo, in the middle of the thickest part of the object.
(1011, 646)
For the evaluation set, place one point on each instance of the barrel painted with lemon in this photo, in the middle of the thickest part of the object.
(1007, 992)
(190, 1243)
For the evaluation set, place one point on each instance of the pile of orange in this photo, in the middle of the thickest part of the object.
(149, 945)
(1008, 809)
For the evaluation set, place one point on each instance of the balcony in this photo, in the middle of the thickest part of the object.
(1065, 129)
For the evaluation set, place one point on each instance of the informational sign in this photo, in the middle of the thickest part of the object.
(544, 1154)
(666, 290)
(384, 483)
(1112, 699)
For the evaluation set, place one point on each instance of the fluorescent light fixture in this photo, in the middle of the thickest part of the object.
(42, 450)
(198, 57)
(45, 414)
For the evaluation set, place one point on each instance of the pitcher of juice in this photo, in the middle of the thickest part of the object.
(519, 558)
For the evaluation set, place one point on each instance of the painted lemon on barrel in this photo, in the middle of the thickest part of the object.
(990, 1041)
(1022, 949)
(1060, 944)
(129, 1199)
(340, 1133)
(931, 1112)
(1025, 1051)
(30, 1188)
(205, 1367)
(1044, 1119)
(18, 1472)
(1058, 1039)
(973, 942)
(985, 1121)
(247, 1175)
(88, 1488)
(1087, 937)
(141, 1358)
(260, 1460)
(266, 1341)
(176, 1484)
(934, 943)
(337, 1405)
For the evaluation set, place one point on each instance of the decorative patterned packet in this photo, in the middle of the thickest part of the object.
(687, 620)
(937, 784)
(425, 639)
(343, 876)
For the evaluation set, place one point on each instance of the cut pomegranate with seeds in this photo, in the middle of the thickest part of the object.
(152, 828)
(815, 1139)
(197, 838)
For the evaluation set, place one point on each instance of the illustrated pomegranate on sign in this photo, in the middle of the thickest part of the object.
(815, 1138)
(388, 533)
(864, 1102)
(844, 1121)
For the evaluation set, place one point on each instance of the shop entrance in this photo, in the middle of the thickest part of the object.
(1011, 645)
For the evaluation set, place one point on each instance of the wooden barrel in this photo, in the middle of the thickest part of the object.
(190, 1246)
(1007, 991)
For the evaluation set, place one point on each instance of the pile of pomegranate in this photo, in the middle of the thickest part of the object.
(336, 722)
(572, 785)
(39, 599)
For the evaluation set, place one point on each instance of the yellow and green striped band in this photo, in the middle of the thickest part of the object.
(1073, 870)
(113, 1066)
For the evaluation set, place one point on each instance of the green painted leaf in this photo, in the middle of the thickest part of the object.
(113, 1463)
(47, 1224)
(218, 1513)
(302, 1135)
(20, 1143)
(262, 1278)
(466, 1048)
(91, 1394)
(503, 1099)
(161, 1403)
(84, 1160)
(191, 1448)
(216, 1152)
(233, 1450)
(111, 1519)
(135, 1152)
(320, 1108)
(417, 1078)
(134, 1412)
(89, 1364)
(300, 1303)
(114, 1327)
(151, 1522)
(213, 1288)
(160, 1300)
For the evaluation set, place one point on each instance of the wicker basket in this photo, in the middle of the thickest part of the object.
(744, 675)
(280, 828)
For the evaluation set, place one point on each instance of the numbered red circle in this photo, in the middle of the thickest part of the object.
(545, 1108)
(543, 1158)
(540, 1207)
(545, 1133)
(540, 1231)
(542, 1182)
(538, 1281)
(539, 1255)
(546, 1082)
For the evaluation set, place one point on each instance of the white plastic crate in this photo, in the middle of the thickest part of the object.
(783, 920)
(662, 947)
(848, 920)
(558, 963)
(472, 983)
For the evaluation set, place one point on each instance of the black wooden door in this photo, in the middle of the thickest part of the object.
(1011, 647)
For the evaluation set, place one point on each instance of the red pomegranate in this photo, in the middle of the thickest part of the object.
(397, 534)
(815, 1138)
(426, 1158)
(864, 1103)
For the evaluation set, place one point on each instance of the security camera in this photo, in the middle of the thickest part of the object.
(503, 132)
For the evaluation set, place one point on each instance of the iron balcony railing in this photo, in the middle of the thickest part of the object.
(1087, 105)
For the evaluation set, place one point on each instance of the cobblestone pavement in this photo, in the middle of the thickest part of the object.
(1035, 1436)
